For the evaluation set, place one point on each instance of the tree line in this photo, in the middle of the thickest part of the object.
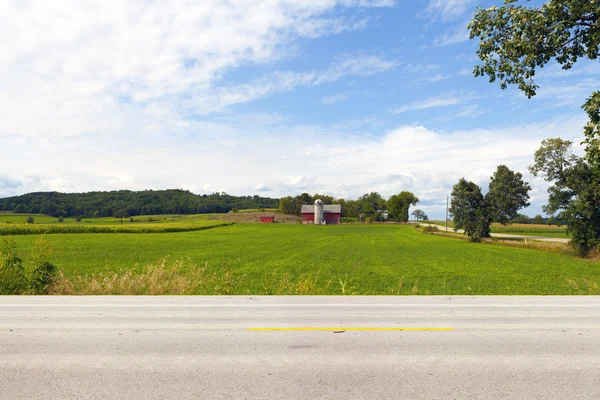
(125, 203)
(370, 205)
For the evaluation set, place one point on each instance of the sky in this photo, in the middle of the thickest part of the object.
(272, 97)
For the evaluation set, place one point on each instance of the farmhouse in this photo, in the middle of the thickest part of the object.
(321, 214)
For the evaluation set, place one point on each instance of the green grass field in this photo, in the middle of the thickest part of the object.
(553, 231)
(305, 259)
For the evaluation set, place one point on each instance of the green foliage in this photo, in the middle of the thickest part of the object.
(147, 202)
(61, 219)
(507, 194)
(43, 272)
(12, 273)
(398, 206)
(235, 210)
(372, 205)
(78, 218)
(430, 229)
(30, 219)
(516, 40)
(122, 213)
(419, 215)
(574, 193)
(348, 220)
(469, 210)
(370, 258)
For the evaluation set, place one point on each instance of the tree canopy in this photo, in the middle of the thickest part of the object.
(469, 210)
(574, 192)
(147, 202)
(516, 39)
(507, 195)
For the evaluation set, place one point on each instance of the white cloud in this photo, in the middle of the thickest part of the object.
(333, 99)
(86, 68)
(450, 9)
(431, 102)
(457, 35)
(251, 159)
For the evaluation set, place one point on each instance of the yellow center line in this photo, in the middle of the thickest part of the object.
(348, 329)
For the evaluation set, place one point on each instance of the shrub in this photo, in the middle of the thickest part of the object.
(430, 229)
(30, 219)
(12, 273)
(368, 220)
(348, 220)
(130, 219)
(78, 218)
(61, 219)
(235, 210)
(417, 226)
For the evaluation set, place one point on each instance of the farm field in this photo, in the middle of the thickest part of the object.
(15, 224)
(304, 259)
(552, 231)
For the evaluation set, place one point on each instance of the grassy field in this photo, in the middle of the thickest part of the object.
(521, 229)
(304, 259)
(15, 224)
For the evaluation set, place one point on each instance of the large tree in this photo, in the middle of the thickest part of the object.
(574, 192)
(516, 39)
(398, 205)
(420, 215)
(372, 205)
(507, 195)
(469, 210)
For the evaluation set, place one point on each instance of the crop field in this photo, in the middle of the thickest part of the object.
(305, 259)
(553, 231)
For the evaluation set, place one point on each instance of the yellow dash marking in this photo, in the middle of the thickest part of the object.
(348, 329)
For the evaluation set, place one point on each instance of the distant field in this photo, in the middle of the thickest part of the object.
(15, 224)
(305, 259)
(520, 229)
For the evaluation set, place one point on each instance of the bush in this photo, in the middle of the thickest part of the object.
(235, 210)
(130, 219)
(12, 273)
(348, 220)
(417, 226)
(30, 219)
(78, 218)
(430, 229)
(39, 275)
(61, 219)
(368, 220)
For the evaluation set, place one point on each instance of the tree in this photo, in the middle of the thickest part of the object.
(372, 205)
(574, 192)
(61, 219)
(507, 194)
(122, 213)
(30, 219)
(515, 40)
(469, 210)
(419, 215)
(398, 205)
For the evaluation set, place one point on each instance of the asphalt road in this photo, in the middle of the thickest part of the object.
(200, 347)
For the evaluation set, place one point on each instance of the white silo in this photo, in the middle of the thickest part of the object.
(319, 214)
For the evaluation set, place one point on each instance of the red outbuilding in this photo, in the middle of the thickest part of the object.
(267, 219)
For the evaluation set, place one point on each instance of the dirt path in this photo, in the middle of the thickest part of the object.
(509, 235)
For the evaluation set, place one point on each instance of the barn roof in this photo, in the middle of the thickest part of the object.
(327, 209)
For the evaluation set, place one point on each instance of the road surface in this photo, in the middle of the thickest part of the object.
(507, 235)
(201, 347)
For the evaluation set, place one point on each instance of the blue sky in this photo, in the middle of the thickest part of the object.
(274, 98)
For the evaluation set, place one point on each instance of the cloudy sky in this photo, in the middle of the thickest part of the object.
(272, 97)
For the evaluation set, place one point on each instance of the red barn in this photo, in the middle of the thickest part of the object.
(321, 214)
(267, 219)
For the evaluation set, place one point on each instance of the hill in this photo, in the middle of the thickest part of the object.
(147, 202)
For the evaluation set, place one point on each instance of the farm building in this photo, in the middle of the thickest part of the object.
(321, 214)
(267, 219)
